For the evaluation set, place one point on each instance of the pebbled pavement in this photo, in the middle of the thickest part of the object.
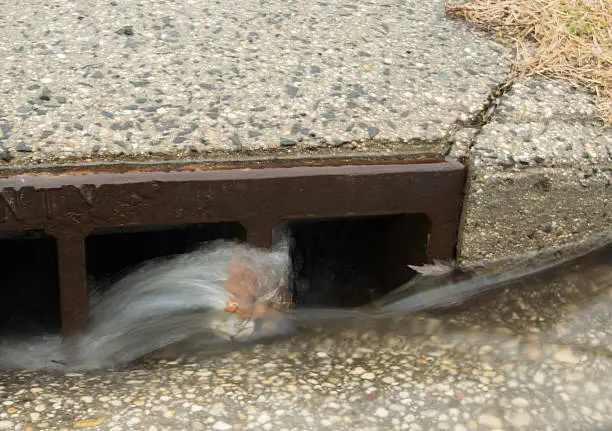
(138, 80)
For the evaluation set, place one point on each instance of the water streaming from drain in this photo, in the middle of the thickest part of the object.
(197, 302)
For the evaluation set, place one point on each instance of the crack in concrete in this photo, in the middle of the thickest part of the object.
(480, 118)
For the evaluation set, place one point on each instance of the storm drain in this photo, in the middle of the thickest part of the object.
(356, 226)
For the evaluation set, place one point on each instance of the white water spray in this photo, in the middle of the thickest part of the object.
(184, 300)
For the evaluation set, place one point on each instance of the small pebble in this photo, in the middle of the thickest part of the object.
(381, 412)
(520, 419)
(5, 155)
(520, 402)
(565, 355)
(373, 132)
(589, 152)
(539, 377)
(40, 407)
(221, 426)
(46, 94)
(287, 143)
(490, 421)
(128, 30)
(22, 147)
(133, 421)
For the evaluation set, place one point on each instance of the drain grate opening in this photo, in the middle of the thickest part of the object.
(347, 262)
(78, 207)
(110, 252)
(29, 282)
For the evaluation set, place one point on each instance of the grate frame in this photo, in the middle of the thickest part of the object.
(72, 204)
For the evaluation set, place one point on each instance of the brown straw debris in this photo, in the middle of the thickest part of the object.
(568, 39)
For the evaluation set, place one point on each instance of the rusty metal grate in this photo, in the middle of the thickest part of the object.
(73, 207)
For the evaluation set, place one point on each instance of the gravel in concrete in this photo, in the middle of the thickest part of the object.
(112, 80)
(540, 174)
(544, 124)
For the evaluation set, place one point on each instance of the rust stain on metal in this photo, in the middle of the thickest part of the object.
(70, 205)
(247, 164)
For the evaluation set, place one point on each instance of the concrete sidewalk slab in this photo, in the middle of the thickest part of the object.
(137, 80)
(541, 173)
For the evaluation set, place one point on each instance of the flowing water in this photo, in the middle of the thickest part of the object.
(163, 302)
(177, 304)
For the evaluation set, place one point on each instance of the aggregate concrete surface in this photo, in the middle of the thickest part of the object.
(537, 356)
(129, 80)
(541, 172)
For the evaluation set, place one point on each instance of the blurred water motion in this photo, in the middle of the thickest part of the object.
(178, 306)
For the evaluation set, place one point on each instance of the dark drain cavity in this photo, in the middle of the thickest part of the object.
(350, 262)
(356, 225)
(29, 284)
(111, 252)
